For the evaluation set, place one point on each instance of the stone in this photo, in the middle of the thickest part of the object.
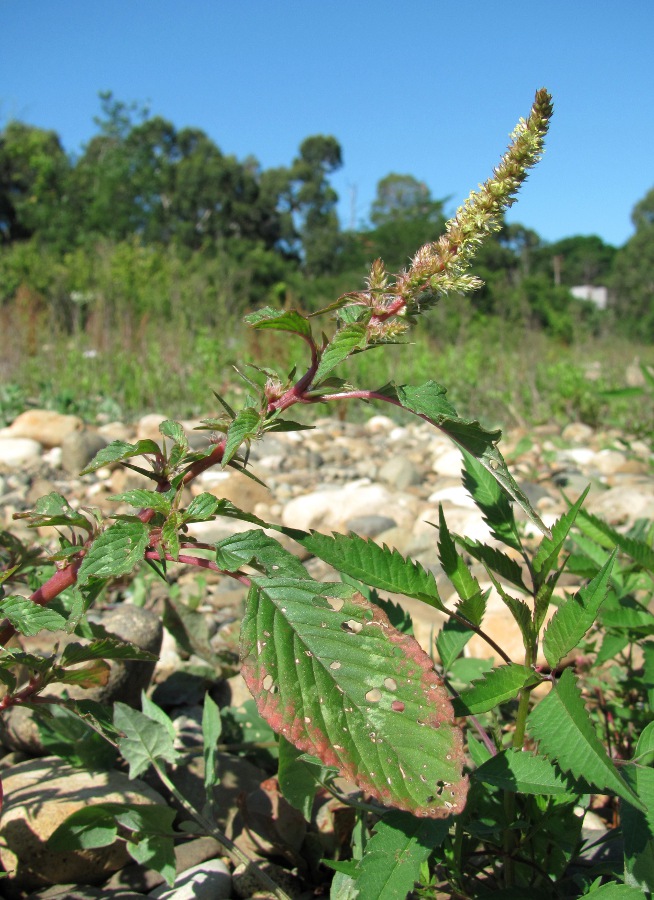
(370, 526)
(38, 796)
(237, 776)
(211, 880)
(140, 878)
(78, 449)
(47, 427)
(400, 473)
(577, 433)
(448, 463)
(83, 892)
(241, 490)
(329, 510)
(16, 452)
(622, 505)
(379, 424)
(147, 428)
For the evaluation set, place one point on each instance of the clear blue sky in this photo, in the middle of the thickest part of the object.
(424, 87)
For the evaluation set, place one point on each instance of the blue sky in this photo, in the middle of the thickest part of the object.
(424, 87)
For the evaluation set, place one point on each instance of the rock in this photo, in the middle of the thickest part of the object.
(622, 505)
(370, 526)
(128, 678)
(577, 433)
(329, 510)
(400, 473)
(39, 796)
(448, 463)
(608, 462)
(16, 452)
(147, 428)
(210, 880)
(43, 425)
(83, 892)
(379, 424)
(78, 449)
(237, 776)
(241, 490)
(140, 878)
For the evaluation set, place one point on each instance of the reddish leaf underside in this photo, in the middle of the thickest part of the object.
(329, 672)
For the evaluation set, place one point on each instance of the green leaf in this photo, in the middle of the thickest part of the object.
(170, 533)
(117, 451)
(575, 616)
(601, 532)
(156, 713)
(144, 741)
(297, 778)
(85, 829)
(53, 510)
(492, 501)
(211, 730)
(330, 674)
(546, 557)
(65, 734)
(562, 726)
(371, 564)
(103, 648)
(245, 426)
(499, 685)
(464, 582)
(146, 499)
(115, 552)
(428, 401)
(279, 320)
(525, 773)
(638, 831)
(345, 342)
(451, 640)
(254, 548)
(93, 674)
(615, 891)
(504, 566)
(202, 508)
(175, 432)
(29, 618)
(393, 856)
(149, 838)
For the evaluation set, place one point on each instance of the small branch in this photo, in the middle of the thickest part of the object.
(200, 562)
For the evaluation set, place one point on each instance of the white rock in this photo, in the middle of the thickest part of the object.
(379, 423)
(209, 880)
(456, 495)
(581, 456)
(448, 463)
(328, 510)
(15, 451)
(608, 462)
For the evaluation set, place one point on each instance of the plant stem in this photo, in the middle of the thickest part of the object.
(234, 852)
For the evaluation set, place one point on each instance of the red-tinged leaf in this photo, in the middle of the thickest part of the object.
(329, 672)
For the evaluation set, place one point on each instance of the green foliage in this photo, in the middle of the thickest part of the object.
(346, 687)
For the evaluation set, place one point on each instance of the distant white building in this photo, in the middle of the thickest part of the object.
(598, 295)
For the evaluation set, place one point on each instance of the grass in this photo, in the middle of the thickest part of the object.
(501, 376)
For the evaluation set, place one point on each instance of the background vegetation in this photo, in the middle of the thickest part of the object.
(141, 255)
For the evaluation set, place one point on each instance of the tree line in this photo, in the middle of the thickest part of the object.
(161, 196)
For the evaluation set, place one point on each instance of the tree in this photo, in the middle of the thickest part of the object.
(582, 259)
(633, 275)
(34, 185)
(311, 202)
(404, 215)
